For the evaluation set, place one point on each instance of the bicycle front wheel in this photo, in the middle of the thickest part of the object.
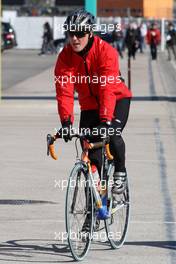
(117, 225)
(79, 212)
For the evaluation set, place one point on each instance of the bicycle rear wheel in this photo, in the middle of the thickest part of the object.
(79, 209)
(117, 225)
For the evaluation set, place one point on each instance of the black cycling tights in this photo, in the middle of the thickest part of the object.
(90, 119)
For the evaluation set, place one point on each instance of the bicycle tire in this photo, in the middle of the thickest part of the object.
(117, 225)
(75, 206)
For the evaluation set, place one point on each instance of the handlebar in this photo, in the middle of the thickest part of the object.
(50, 146)
(87, 145)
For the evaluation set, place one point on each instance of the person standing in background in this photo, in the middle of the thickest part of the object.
(117, 38)
(153, 39)
(171, 41)
(132, 40)
(47, 44)
(143, 33)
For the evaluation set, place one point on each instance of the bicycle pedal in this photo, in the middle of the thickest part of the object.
(114, 203)
(97, 225)
(85, 236)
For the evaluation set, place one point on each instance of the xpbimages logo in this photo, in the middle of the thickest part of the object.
(79, 236)
(101, 27)
(84, 79)
(97, 183)
(102, 132)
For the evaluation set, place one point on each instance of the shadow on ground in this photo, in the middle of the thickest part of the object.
(47, 251)
(34, 251)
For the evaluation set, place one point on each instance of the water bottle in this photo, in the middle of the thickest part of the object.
(96, 177)
(102, 212)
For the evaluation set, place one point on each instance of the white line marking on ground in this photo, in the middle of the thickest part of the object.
(32, 220)
(145, 160)
(153, 222)
(63, 221)
(173, 64)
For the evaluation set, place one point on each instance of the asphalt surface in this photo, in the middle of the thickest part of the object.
(31, 201)
(26, 62)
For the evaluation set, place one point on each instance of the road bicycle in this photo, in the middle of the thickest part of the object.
(90, 202)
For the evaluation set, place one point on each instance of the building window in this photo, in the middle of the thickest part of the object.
(13, 2)
(70, 2)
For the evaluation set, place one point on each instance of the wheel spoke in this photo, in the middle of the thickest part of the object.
(118, 222)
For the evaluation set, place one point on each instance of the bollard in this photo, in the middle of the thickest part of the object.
(129, 72)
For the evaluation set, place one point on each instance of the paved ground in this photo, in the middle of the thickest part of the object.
(32, 204)
(25, 62)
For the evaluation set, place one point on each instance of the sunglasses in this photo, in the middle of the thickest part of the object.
(78, 34)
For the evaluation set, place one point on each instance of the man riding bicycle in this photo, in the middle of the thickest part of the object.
(104, 105)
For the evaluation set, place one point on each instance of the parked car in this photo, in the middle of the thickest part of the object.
(8, 36)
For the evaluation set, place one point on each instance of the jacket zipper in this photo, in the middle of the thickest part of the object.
(90, 90)
(87, 73)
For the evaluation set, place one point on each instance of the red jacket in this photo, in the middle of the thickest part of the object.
(153, 36)
(100, 64)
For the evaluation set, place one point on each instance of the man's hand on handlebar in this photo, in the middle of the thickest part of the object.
(66, 130)
(103, 129)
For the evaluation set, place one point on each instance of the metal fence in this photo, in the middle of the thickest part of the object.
(29, 30)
